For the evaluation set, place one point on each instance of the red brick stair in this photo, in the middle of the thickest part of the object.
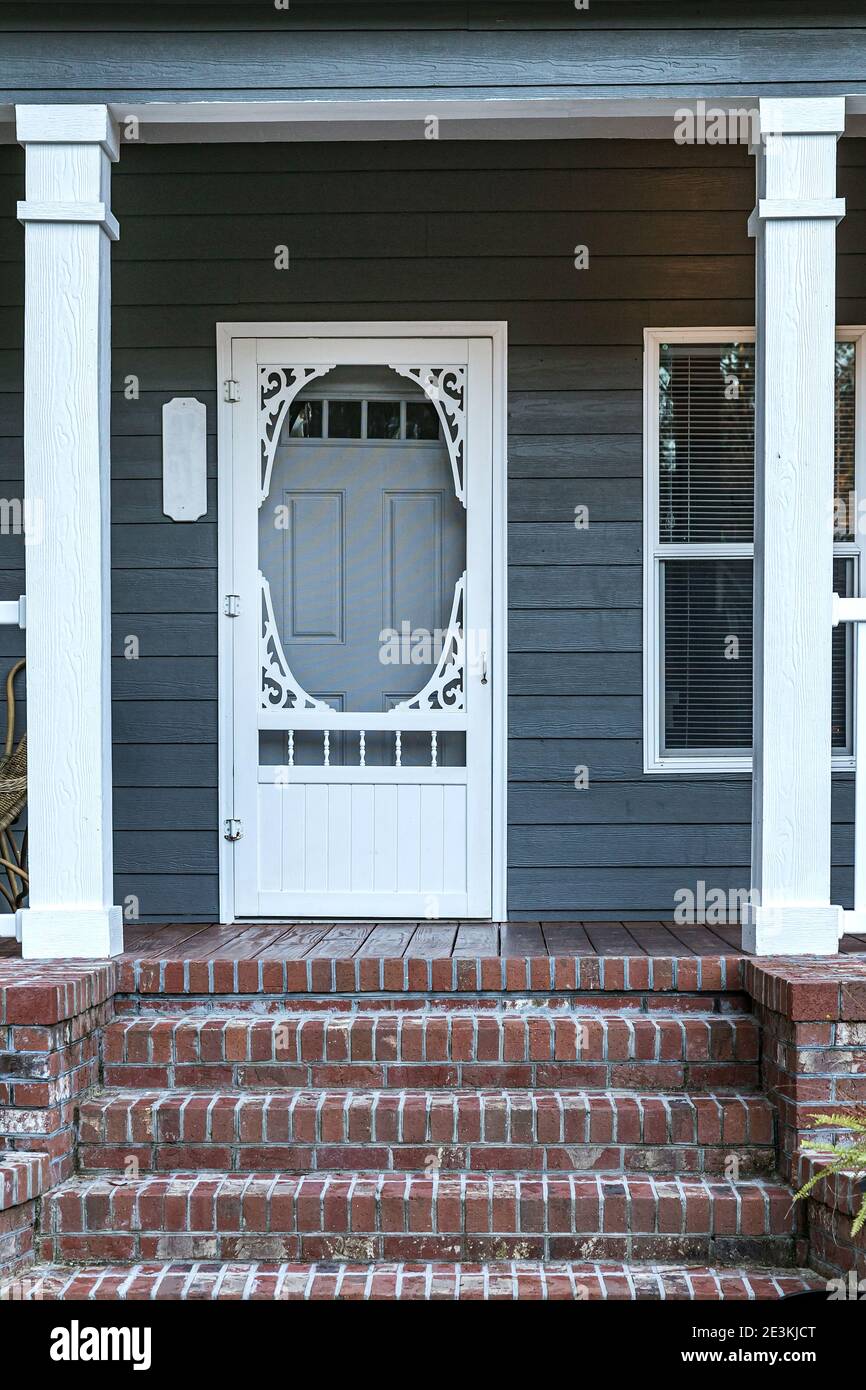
(496, 1280)
(446, 1046)
(413, 1217)
(401, 1130)
(459, 1129)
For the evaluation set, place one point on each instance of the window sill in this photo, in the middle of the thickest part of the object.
(722, 764)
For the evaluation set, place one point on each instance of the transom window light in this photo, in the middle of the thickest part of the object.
(350, 418)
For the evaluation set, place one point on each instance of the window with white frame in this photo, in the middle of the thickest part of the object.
(699, 466)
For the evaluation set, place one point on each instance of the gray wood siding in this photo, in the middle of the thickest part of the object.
(430, 230)
(457, 48)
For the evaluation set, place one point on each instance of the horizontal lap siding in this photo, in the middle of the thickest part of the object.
(430, 230)
(318, 49)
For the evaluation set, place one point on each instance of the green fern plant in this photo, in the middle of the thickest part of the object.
(847, 1158)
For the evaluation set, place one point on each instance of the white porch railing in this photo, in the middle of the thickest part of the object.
(853, 610)
(13, 612)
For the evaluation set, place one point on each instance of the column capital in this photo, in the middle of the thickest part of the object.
(68, 125)
(801, 116)
(69, 155)
(796, 161)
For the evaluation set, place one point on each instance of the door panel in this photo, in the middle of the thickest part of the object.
(362, 700)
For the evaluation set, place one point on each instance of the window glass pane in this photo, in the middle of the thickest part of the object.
(706, 486)
(845, 513)
(344, 419)
(305, 419)
(844, 580)
(706, 441)
(707, 655)
(706, 610)
(383, 419)
(422, 422)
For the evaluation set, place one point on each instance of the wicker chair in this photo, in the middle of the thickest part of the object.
(13, 799)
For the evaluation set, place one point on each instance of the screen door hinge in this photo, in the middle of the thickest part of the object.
(231, 390)
(232, 605)
(233, 829)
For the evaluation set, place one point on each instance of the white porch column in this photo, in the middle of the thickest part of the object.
(68, 228)
(795, 226)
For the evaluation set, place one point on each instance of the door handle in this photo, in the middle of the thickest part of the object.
(483, 668)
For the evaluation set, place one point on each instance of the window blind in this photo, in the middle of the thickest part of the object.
(706, 608)
(706, 498)
(706, 442)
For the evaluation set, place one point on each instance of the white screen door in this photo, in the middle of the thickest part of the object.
(362, 593)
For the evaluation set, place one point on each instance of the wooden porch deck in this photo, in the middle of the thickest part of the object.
(427, 940)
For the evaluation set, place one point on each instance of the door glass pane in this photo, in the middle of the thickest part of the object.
(422, 422)
(344, 419)
(383, 419)
(362, 542)
(305, 420)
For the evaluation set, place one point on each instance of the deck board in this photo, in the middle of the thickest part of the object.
(293, 943)
(226, 943)
(653, 939)
(701, 940)
(566, 938)
(263, 939)
(476, 939)
(144, 941)
(729, 935)
(387, 939)
(196, 941)
(522, 939)
(342, 941)
(432, 941)
(610, 939)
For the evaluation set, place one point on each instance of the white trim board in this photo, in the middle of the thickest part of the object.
(496, 333)
(518, 117)
(720, 763)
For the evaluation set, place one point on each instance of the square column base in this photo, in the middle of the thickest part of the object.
(853, 923)
(788, 930)
(70, 933)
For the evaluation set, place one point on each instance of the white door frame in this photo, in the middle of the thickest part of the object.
(496, 333)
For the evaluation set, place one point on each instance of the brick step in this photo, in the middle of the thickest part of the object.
(207, 972)
(499, 1280)
(418, 1217)
(371, 1131)
(438, 1047)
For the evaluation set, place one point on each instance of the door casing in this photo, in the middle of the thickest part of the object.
(496, 334)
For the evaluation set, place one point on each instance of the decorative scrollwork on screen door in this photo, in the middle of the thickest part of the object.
(446, 687)
(278, 387)
(280, 689)
(445, 388)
